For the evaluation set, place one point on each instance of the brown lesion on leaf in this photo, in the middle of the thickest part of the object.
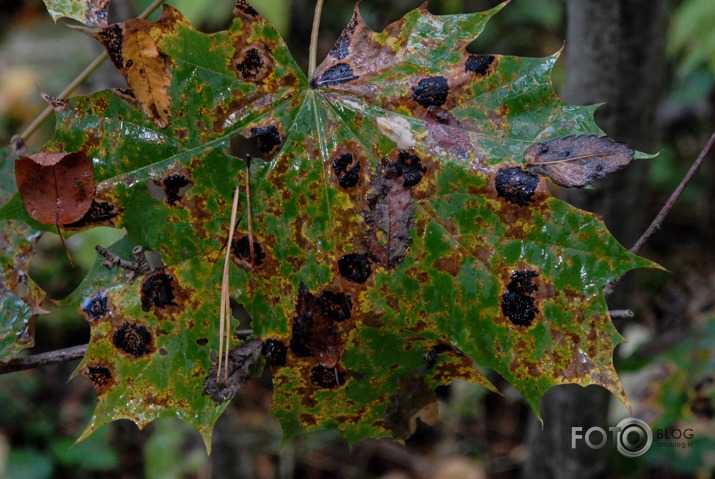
(253, 63)
(316, 331)
(355, 267)
(448, 132)
(327, 377)
(160, 291)
(390, 213)
(101, 375)
(244, 9)
(134, 339)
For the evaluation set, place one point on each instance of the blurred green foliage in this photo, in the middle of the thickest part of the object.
(691, 42)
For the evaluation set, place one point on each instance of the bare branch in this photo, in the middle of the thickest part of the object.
(44, 359)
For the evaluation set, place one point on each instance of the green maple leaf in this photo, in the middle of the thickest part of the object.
(400, 230)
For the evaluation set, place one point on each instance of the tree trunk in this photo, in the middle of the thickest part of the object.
(614, 53)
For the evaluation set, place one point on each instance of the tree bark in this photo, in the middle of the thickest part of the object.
(614, 53)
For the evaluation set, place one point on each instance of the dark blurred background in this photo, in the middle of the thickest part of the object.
(652, 61)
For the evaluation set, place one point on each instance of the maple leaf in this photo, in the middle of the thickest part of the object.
(399, 231)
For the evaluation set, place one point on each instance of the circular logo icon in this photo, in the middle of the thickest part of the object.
(633, 437)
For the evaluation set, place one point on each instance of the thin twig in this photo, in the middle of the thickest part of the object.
(225, 308)
(621, 313)
(313, 53)
(655, 225)
(79, 79)
(248, 210)
(43, 359)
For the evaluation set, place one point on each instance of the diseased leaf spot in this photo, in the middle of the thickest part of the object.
(315, 332)
(96, 307)
(99, 212)
(478, 64)
(342, 47)
(335, 306)
(327, 378)
(432, 91)
(163, 352)
(240, 249)
(244, 6)
(251, 64)
(409, 167)
(133, 338)
(275, 352)
(157, 290)
(335, 75)
(202, 342)
(348, 176)
(101, 377)
(268, 137)
(175, 186)
(516, 185)
(355, 267)
(112, 38)
(517, 304)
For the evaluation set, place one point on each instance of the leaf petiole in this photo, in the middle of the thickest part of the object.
(313, 53)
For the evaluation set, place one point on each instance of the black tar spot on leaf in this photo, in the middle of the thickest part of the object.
(348, 176)
(327, 378)
(133, 338)
(432, 91)
(341, 48)
(239, 247)
(251, 65)
(99, 212)
(516, 185)
(478, 64)
(355, 267)
(100, 376)
(96, 307)
(275, 352)
(174, 183)
(157, 290)
(268, 137)
(409, 167)
(335, 75)
(517, 303)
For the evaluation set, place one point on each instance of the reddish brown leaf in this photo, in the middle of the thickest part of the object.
(57, 188)
(448, 132)
(576, 161)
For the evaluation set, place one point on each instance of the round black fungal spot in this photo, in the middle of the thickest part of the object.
(516, 185)
(409, 166)
(478, 64)
(100, 376)
(173, 183)
(239, 247)
(348, 176)
(134, 339)
(517, 304)
(275, 352)
(341, 49)
(327, 378)
(99, 212)
(163, 352)
(704, 383)
(246, 8)
(202, 342)
(268, 137)
(96, 307)
(112, 38)
(251, 65)
(355, 267)
(335, 75)
(432, 91)
(335, 306)
(157, 290)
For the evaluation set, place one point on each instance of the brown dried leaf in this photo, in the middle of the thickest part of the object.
(576, 161)
(390, 217)
(448, 132)
(240, 361)
(146, 72)
(57, 188)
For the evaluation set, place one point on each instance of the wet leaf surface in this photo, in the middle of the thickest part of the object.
(57, 188)
(398, 233)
